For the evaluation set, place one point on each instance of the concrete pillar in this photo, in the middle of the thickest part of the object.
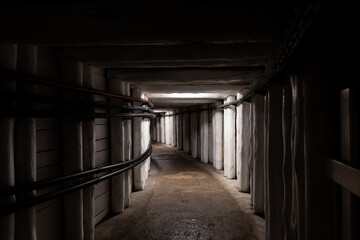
(258, 153)
(316, 96)
(72, 73)
(193, 132)
(273, 164)
(213, 131)
(128, 152)
(266, 162)
(138, 171)
(198, 132)
(25, 147)
(186, 125)
(297, 157)
(204, 125)
(226, 140)
(162, 121)
(286, 164)
(145, 131)
(179, 130)
(158, 128)
(89, 159)
(210, 142)
(218, 137)
(251, 158)
(229, 140)
(171, 128)
(117, 135)
(8, 59)
(349, 153)
(173, 124)
(168, 129)
(243, 144)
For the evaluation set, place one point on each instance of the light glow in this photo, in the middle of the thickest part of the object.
(183, 95)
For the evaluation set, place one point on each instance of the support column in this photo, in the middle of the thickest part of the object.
(25, 147)
(89, 159)
(145, 131)
(318, 124)
(171, 129)
(251, 162)
(128, 152)
(349, 153)
(258, 154)
(167, 129)
(229, 140)
(193, 132)
(138, 171)
(72, 73)
(179, 130)
(198, 132)
(210, 142)
(117, 135)
(204, 125)
(162, 121)
(273, 162)
(173, 124)
(8, 59)
(218, 137)
(286, 164)
(297, 157)
(243, 144)
(186, 124)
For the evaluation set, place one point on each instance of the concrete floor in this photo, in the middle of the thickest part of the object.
(182, 200)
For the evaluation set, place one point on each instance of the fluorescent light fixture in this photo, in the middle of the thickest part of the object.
(183, 95)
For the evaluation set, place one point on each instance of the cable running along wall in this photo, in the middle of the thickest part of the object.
(122, 167)
(15, 104)
(22, 103)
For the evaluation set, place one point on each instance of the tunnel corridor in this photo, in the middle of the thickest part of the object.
(185, 202)
(179, 120)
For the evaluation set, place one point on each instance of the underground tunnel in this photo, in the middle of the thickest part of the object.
(179, 120)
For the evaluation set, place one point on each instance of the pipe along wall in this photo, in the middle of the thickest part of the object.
(34, 149)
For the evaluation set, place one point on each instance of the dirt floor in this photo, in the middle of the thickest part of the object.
(182, 200)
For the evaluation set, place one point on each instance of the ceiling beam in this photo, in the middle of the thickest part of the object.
(162, 102)
(172, 54)
(181, 88)
(188, 75)
(212, 63)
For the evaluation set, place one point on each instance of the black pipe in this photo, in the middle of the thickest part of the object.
(37, 98)
(81, 115)
(46, 197)
(232, 103)
(29, 78)
(48, 182)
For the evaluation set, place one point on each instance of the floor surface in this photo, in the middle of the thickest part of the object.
(181, 201)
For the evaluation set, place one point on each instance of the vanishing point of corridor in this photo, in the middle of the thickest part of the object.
(182, 201)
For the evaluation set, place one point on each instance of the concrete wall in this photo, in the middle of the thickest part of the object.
(57, 147)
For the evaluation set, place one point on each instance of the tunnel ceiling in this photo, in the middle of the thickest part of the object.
(213, 47)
